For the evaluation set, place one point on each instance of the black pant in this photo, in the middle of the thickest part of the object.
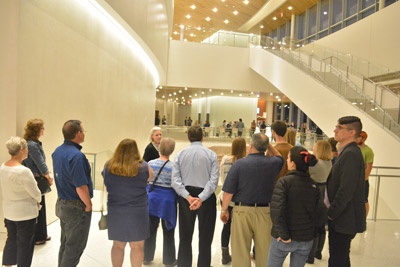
(206, 214)
(339, 248)
(168, 242)
(226, 230)
(18, 249)
(41, 226)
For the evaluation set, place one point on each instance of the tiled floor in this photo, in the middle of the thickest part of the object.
(378, 246)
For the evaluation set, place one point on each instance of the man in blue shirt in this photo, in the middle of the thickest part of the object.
(249, 184)
(195, 178)
(75, 190)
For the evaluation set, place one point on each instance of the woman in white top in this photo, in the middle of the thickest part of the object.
(21, 198)
(238, 151)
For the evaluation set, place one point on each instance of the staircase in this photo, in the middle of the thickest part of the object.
(374, 99)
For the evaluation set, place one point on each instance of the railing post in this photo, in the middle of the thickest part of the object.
(376, 197)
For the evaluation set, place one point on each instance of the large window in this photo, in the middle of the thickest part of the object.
(312, 20)
(337, 12)
(351, 8)
(324, 15)
(301, 33)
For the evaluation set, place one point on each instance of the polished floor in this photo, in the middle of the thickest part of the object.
(378, 246)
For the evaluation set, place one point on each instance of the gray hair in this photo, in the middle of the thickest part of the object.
(167, 146)
(15, 144)
(260, 142)
(153, 130)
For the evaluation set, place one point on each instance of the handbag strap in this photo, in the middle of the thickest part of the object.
(158, 174)
(102, 199)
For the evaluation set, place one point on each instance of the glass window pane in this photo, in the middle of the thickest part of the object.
(351, 8)
(312, 20)
(389, 2)
(351, 21)
(337, 28)
(301, 26)
(282, 31)
(368, 12)
(322, 34)
(323, 16)
(337, 11)
(367, 3)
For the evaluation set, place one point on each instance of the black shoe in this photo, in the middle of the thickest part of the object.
(172, 264)
(310, 261)
(318, 255)
(147, 262)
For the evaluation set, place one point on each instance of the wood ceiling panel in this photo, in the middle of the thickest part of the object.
(196, 29)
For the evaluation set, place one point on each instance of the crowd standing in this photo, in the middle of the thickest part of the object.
(278, 198)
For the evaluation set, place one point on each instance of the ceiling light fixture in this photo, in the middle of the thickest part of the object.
(274, 18)
(193, 7)
(215, 10)
(188, 16)
(235, 12)
(208, 19)
(246, 2)
(262, 26)
(290, 7)
(226, 21)
(182, 26)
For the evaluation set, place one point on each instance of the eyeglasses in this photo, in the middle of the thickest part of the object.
(340, 127)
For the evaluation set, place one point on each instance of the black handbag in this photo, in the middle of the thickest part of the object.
(43, 184)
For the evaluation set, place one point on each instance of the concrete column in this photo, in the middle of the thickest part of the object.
(292, 32)
(381, 4)
(270, 111)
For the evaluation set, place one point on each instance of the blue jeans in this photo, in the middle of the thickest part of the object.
(298, 250)
(75, 226)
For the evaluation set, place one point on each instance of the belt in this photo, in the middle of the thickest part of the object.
(244, 204)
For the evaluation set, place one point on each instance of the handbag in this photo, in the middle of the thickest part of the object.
(103, 221)
(103, 217)
(150, 187)
(43, 184)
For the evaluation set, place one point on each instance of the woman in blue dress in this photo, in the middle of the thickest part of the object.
(125, 177)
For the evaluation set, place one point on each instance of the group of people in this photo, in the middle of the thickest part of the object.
(277, 197)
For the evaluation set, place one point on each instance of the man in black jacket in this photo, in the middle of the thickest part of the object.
(345, 193)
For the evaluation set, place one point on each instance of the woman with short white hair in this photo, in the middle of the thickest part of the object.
(21, 198)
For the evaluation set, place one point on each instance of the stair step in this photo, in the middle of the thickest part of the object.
(386, 77)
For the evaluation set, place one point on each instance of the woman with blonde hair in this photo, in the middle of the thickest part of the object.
(125, 177)
(238, 150)
(21, 198)
(152, 150)
(319, 173)
(36, 162)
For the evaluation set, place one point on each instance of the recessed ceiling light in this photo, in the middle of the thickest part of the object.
(240, 94)
(208, 19)
(182, 26)
(176, 33)
(188, 16)
(325, 12)
(226, 21)
(262, 26)
(290, 7)
(215, 9)
(193, 7)
(202, 93)
(192, 35)
(235, 12)
(163, 96)
(195, 94)
(274, 18)
(180, 91)
(271, 94)
(199, 28)
(210, 90)
(246, 2)
(185, 88)
(174, 93)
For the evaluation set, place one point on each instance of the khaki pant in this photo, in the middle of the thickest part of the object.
(250, 223)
